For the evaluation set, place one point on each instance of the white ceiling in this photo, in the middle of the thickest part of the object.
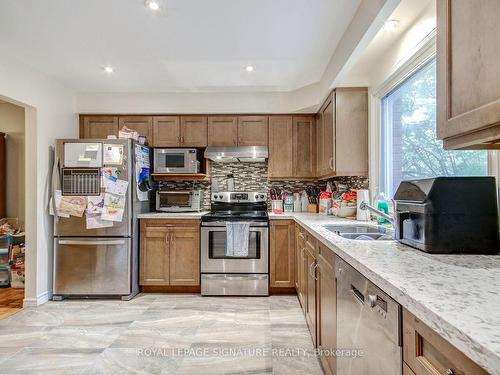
(192, 46)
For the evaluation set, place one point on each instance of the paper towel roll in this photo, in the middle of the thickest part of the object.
(362, 196)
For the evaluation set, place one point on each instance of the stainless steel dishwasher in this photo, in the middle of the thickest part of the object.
(368, 326)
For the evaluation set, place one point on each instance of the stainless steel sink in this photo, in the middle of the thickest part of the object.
(360, 232)
(366, 236)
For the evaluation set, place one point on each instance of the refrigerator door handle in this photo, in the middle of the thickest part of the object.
(91, 243)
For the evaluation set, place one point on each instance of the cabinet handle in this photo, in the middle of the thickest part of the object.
(311, 270)
(182, 140)
(450, 372)
(178, 139)
(315, 275)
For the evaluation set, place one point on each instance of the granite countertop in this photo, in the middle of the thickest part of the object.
(456, 295)
(172, 215)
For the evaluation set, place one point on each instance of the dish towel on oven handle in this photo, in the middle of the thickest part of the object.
(237, 236)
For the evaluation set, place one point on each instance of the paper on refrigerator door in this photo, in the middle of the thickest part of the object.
(113, 154)
(109, 174)
(142, 171)
(73, 205)
(118, 187)
(93, 218)
(57, 197)
(114, 206)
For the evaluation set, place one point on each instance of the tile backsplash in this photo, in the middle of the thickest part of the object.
(253, 177)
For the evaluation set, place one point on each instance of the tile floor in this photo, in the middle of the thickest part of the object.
(160, 334)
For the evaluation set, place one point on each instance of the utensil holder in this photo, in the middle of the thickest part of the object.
(312, 207)
(277, 206)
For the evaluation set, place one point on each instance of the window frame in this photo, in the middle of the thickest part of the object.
(424, 52)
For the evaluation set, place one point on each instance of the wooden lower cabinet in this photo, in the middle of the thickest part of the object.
(185, 255)
(170, 253)
(326, 308)
(427, 353)
(282, 269)
(310, 290)
(301, 266)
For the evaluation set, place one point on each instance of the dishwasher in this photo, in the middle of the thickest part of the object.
(368, 326)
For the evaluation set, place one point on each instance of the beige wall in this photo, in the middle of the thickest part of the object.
(12, 124)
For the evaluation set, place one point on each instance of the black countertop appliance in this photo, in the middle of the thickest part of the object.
(446, 215)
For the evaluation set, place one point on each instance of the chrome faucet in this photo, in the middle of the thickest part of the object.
(366, 206)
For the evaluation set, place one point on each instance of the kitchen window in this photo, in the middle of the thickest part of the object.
(409, 148)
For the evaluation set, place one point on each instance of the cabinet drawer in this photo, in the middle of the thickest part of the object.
(427, 353)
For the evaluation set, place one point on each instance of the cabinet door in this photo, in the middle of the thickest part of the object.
(351, 132)
(141, 124)
(282, 254)
(154, 255)
(301, 267)
(252, 131)
(185, 255)
(98, 127)
(193, 131)
(427, 353)
(319, 143)
(280, 146)
(310, 305)
(166, 131)
(468, 73)
(304, 148)
(327, 307)
(222, 131)
(326, 140)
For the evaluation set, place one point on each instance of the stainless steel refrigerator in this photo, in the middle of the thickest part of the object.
(100, 261)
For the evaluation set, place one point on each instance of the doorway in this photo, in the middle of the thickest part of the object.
(12, 208)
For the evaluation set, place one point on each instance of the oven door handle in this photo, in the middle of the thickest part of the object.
(232, 277)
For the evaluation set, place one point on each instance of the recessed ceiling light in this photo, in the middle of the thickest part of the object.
(391, 25)
(109, 69)
(249, 68)
(153, 5)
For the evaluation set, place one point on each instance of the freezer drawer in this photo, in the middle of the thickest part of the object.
(92, 266)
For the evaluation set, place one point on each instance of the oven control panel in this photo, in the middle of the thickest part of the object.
(239, 197)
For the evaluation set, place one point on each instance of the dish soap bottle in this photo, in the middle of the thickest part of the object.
(382, 205)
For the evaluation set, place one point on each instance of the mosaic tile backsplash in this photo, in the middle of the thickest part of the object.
(253, 177)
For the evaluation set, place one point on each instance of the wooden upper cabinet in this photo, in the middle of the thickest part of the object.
(185, 254)
(304, 146)
(280, 146)
(154, 255)
(282, 270)
(166, 131)
(325, 135)
(351, 131)
(222, 131)
(468, 73)
(98, 127)
(252, 131)
(141, 124)
(193, 131)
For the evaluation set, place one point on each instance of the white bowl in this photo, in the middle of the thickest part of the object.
(345, 211)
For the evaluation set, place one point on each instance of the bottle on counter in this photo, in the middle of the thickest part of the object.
(382, 205)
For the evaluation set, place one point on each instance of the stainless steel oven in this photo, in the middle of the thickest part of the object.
(176, 160)
(213, 250)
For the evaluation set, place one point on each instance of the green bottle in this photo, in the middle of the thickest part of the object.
(382, 205)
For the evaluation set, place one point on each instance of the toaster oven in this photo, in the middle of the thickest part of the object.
(178, 200)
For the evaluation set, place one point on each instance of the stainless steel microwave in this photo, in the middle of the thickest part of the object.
(176, 160)
(178, 201)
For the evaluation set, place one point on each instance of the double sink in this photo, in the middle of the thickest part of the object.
(360, 232)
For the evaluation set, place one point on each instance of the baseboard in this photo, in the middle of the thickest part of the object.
(282, 290)
(39, 300)
(170, 289)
